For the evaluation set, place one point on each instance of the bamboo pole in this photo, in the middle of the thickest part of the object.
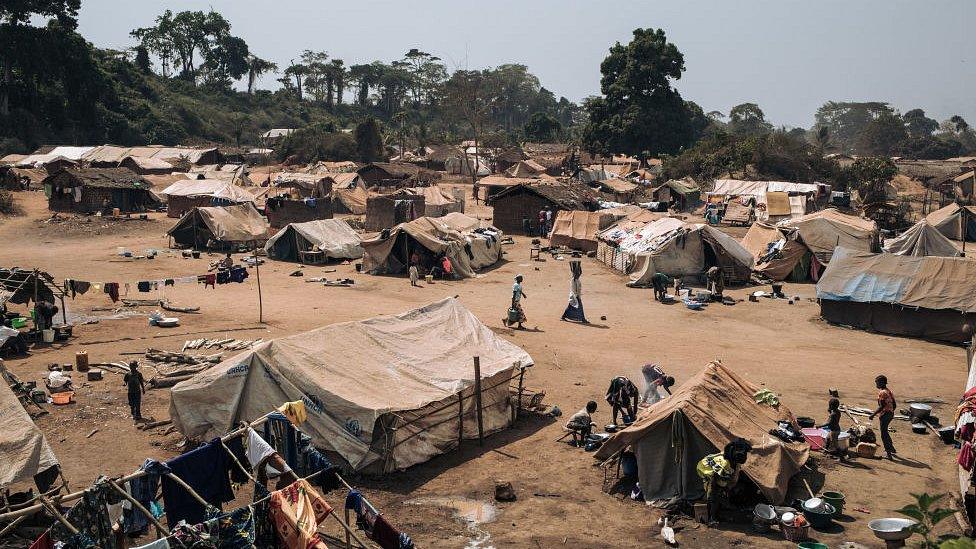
(10, 527)
(57, 514)
(188, 488)
(460, 418)
(160, 529)
(348, 537)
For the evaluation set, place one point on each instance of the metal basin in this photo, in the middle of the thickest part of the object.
(892, 529)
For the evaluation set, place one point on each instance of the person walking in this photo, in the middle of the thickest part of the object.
(574, 310)
(886, 413)
(517, 294)
(542, 223)
(136, 386)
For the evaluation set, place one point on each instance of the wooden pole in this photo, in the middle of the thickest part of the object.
(477, 399)
(10, 527)
(189, 489)
(518, 398)
(57, 514)
(257, 271)
(460, 418)
(348, 536)
(160, 529)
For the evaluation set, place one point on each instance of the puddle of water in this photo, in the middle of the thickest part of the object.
(469, 511)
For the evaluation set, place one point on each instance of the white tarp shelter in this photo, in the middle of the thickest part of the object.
(334, 237)
(921, 240)
(382, 393)
(24, 451)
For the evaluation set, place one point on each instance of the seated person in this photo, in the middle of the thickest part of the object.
(719, 473)
(581, 424)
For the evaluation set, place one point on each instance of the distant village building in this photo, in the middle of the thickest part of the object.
(516, 209)
(91, 190)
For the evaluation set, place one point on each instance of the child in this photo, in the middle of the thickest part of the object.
(833, 428)
(414, 275)
(581, 424)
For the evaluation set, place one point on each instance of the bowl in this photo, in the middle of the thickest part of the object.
(892, 529)
(813, 545)
(822, 518)
(813, 504)
(764, 512)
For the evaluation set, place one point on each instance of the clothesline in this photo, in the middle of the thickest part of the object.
(74, 286)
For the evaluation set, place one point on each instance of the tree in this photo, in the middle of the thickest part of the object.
(337, 73)
(16, 14)
(882, 136)
(256, 67)
(142, 59)
(919, 125)
(369, 141)
(317, 142)
(870, 176)
(639, 110)
(364, 77)
(469, 98)
(543, 127)
(847, 120)
(748, 119)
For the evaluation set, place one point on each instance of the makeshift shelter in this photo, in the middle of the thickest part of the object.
(387, 210)
(707, 412)
(921, 240)
(525, 168)
(460, 164)
(955, 221)
(91, 190)
(431, 238)
(620, 189)
(683, 194)
(436, 201)
(779, 254)
(494, 184)
(517, 208)
(577, 229)
(825, 230)
(219, 227)
(147, 166)
(350, 201)
(24, 451)
(344, 180)
(187, 194)
(929, 297)
(759, 191)
(334, 238)
(304, 185)
(462, 223)
(388, 174)
(406, 397)
(672, 247)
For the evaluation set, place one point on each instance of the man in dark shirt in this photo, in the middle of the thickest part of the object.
(136, 386)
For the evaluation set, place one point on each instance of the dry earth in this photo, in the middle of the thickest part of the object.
(785, 347)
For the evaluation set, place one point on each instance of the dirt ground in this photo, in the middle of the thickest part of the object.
(784, 347)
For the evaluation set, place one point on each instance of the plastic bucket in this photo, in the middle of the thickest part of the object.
(62, 398)
(836, 499)
(843, 441)
(47, 336)
(814, 438)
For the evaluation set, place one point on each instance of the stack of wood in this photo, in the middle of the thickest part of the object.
(229, 344)
(174, 367)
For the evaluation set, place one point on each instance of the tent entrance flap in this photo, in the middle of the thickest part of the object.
(667, 459)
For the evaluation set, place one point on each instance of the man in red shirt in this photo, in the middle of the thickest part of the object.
(886, 411)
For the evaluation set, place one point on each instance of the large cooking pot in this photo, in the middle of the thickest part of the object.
(917, 410)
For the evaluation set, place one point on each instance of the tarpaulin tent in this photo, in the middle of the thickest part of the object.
(930, 297)
(383, 393)
(351, 200)
(436, 201)
(825, 230)
(703, 415)
(954, 221)
(778, 253)
(430, 236)
(921, 240)
(577, 229)
(673, 247)
(334, 237)
(219, 226)
(187, 194)
(24, 452)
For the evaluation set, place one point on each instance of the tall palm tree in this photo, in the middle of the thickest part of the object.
(338, 70)
(255, 68)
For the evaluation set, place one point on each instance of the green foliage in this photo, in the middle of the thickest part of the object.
(639, 110)
(847, 120)
(543, 127)
(919, 125)
(748, 119)
(958, 543)
(369, 141)
(927, 516)
(883, 135)
(870, 176)
(318, 142)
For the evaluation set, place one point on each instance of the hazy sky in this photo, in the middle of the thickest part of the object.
(787, 55)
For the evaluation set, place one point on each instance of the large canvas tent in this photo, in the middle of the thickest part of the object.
(577, 229)
(24, 452)
(827, 229)
(921, 240)
(930, 297)
(384, 393)
(334, 237)
(955, 221)
(219, 226)
(703, 415)
(672, 247)
(431, 237)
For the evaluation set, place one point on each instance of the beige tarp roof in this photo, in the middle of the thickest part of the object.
(433, 195)
(618, 185)
(758, 237)
(215, 188)
(353, 199)
(333, 236)
(239, 223)
(929, 282)
(525, 168)
(921, 240)
(343, 180)
(825, 230)
(948, 220)
(440, 239)
(719, 404)
(460, 222)
(24, 451)
(577, 229)
(777, 203)
(353, 378)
